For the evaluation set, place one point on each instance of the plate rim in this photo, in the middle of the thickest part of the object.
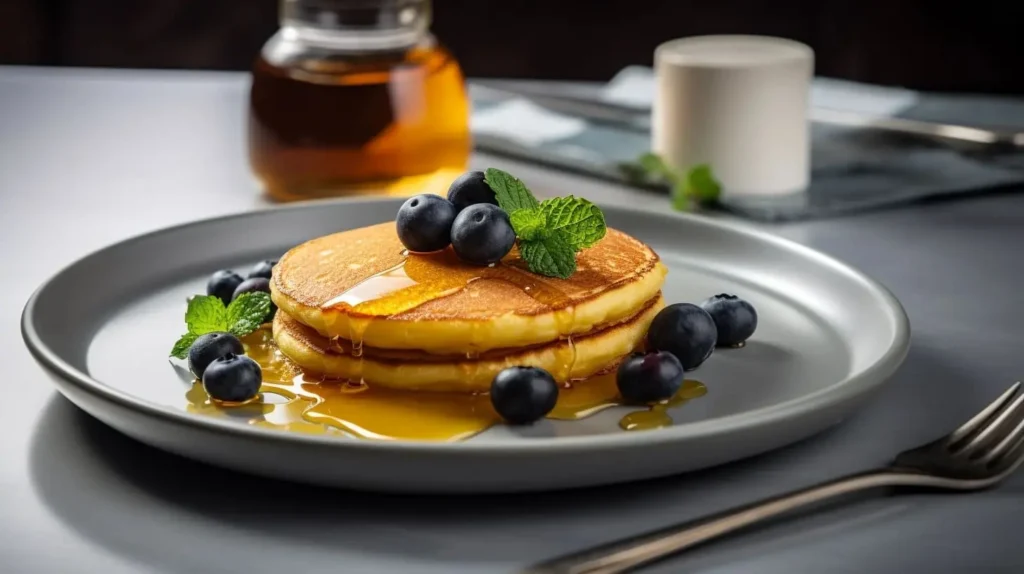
(837, 393)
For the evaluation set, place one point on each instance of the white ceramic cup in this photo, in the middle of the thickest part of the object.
(738, 103)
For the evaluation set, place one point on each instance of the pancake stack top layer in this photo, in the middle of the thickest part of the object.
(360, 285)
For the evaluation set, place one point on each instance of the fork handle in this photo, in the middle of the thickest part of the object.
(624, 556)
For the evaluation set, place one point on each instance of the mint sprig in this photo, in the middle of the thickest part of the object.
(512, 194)
(246, 313)
(701, 184)
(530, 224)
(207, 314)
(183, 344)
(550, 232)
(694, 186)
(582, 221)
(551, 255)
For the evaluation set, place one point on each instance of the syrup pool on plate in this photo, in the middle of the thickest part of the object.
(290, 400)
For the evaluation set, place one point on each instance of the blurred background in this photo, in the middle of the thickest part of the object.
(927, 45)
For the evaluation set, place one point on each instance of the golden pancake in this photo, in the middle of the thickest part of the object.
(580, 357)
(361, 285)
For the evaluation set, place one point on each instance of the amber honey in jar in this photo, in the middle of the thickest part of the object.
(355, 97)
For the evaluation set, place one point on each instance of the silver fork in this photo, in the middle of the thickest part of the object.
(979, 454)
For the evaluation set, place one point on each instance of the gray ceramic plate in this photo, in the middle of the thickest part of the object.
(828, 338)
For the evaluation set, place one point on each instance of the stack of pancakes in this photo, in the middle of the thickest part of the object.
(355, 305)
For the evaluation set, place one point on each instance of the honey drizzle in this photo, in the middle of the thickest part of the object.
(424, 277)
(293, 401)
(657, 415)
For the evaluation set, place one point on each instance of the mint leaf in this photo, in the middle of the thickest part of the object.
(246, 313)
(701, 184)
(647, 170)
(582, 221)
(180, 349)
(654, 165)
(553, 255)
(634, 173)
(511, 193)
(530, 224)
(206, 314)
(551, 232)
(696, 187)
(680, 198)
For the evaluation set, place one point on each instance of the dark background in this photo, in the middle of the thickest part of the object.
(936, 45)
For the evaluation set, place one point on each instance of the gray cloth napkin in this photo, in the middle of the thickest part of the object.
(852, 169)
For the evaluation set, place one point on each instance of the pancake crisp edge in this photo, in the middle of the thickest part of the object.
(585, 356)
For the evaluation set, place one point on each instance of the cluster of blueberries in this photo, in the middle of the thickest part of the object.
(218, 359)
(680, 338)
(469, 220)
(227, 285)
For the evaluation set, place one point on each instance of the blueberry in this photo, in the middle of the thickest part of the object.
(222, 284)
(234, 378)
(686, 331)
(209, 347)
(424, 223)
(482, 234)
(253, 285)
(649, 378)
(735, 319)
(262, 269)
(523, 395)
(470, 189)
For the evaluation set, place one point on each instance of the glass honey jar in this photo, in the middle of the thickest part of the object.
(355, 97)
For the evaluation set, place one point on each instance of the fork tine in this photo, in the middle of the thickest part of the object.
(1009, 461)
(969, 426)
(1009, 442)
(994, 428)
